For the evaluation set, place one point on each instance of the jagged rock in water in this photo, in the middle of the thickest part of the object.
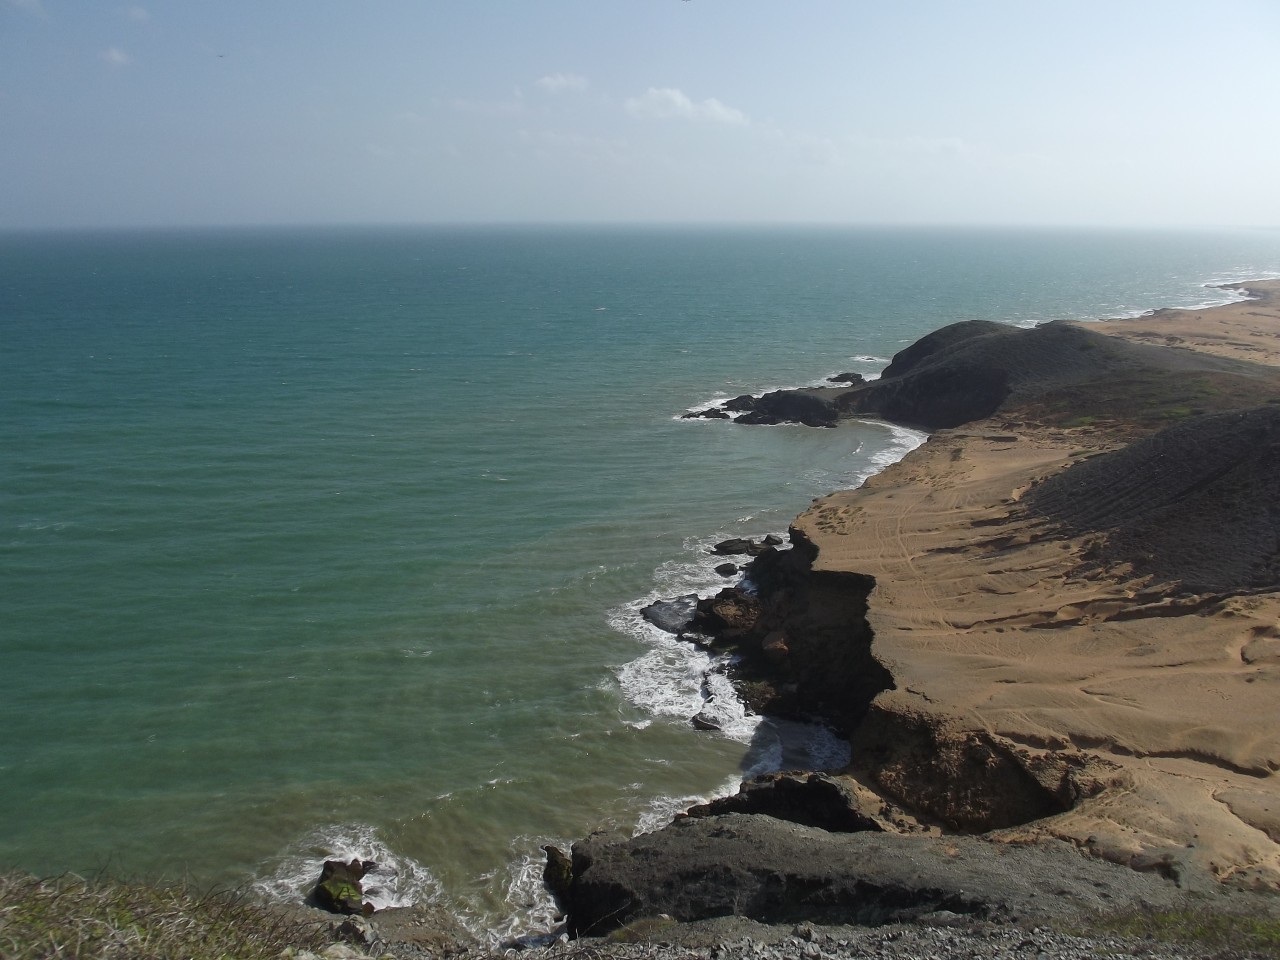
(791, 406)
(704, 721)
(711, 413)
(674, 616)
(339, 889)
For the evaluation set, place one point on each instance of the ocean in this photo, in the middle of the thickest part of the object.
(333, 542)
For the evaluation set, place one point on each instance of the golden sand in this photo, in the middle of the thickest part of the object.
(994, 628)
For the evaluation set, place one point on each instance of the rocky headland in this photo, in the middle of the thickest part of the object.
(1051, 635)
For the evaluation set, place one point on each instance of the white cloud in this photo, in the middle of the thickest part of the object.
(666, 103)
(137, 14)
(561, 82)
(116, 57)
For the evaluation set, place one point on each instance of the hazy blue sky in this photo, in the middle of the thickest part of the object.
(282, 111)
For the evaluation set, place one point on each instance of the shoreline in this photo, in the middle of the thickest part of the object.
(1042, 692)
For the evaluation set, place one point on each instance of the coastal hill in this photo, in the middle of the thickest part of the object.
(1058, 624)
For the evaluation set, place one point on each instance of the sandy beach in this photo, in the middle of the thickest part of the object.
(1148, 708)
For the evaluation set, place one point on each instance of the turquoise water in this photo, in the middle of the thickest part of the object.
(326, 542)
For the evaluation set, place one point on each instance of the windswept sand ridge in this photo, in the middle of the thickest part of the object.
(1244, 331)
(1013, 643)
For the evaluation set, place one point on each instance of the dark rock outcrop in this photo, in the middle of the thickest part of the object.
(778, 872)
(339, 889)
(557, 875)
(847, 378)
(802, 638)
(809, 407)
(674, 616)
(812, 799)
(704, 721)
(711, 413)
(727, 569)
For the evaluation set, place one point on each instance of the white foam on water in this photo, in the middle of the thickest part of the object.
(902, 440)
(777, 745)
(677, 680)
(530, 906)
(662, 810)
(396, 881)
(1226, 288)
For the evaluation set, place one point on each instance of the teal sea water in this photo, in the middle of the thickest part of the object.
(333, 542)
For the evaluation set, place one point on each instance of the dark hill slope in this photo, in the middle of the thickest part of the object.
(1056, 372)
(1198, 502)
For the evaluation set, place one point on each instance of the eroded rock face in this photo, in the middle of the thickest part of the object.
(968, 780)
(557, 874)
(802, 637)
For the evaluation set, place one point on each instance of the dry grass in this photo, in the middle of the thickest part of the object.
(72, 917)
(1222, 934)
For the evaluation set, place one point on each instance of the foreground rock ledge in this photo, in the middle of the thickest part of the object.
(778, 872)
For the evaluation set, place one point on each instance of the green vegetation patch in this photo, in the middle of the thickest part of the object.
(73, 917)
(1251, 933)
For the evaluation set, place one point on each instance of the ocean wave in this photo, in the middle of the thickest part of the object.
(529, 905)
(1223, 289)
(397, 881)
(677, 680)
(902, 440)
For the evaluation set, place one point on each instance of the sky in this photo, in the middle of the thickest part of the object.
(1025, 112)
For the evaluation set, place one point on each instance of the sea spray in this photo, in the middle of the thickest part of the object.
(395, 881)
